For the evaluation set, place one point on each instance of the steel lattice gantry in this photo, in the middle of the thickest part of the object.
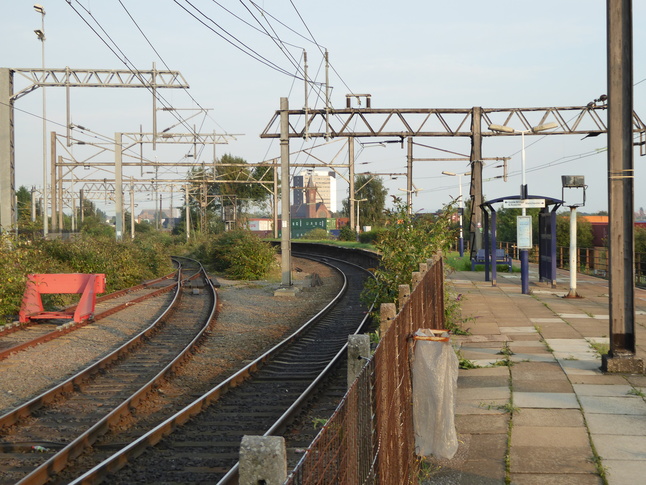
(67, 77)
(461, 122)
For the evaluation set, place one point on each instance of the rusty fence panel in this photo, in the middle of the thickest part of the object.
(370, 438)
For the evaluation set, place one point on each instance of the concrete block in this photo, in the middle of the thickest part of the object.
(263, 459)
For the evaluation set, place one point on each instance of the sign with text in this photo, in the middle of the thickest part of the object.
(524, 232)
(523, 203)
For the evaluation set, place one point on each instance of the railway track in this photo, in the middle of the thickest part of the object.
(200, 443)
(17, 337)
(66, 419)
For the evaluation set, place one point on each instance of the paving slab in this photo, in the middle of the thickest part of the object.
(537, 371)
(465, 381)
(546, 436)
(555, 479)
(623, 472)
(622, 390)
(555, 400)
(619, 447)
(613, 405)
(616, 424)
(549, 417)
(547, 386)
(479, 406)
(484, 393)
(534, 459)
(482, 423)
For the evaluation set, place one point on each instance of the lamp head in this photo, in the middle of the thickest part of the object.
(40, 34)
(545, 127)
(501, 128)
(39, 8)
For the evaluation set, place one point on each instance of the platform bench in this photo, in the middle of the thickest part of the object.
(501, 258)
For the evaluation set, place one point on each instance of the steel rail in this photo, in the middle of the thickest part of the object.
(58, 461)
(119, 459)
(280, 424)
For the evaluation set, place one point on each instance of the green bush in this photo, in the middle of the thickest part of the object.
(124, 263)
(404, 242)
(347, 234)
(370, 237)
(317, 234)
(241, 255)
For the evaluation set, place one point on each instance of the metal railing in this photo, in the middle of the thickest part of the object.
(370, 438)
(591, 261)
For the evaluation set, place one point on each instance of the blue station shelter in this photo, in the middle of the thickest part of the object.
(547, 237)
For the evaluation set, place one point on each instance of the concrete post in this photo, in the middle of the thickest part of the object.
(417, 277)
(475, 234)
(118, 189)
(387, 313)
(285, 241)
(358, 349)
(7, 165)
(263, 459)
(404, 295)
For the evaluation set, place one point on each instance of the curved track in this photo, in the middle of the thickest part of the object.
(65, 420)
(200, 444)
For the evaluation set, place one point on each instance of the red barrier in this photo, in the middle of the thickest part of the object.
(88, 285)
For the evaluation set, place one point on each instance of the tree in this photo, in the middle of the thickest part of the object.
(405, 241)
(371, 211)
(584, 234)
(225, 189)
(506, 224)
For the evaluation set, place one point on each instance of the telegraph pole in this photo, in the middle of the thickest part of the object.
(621, 357)
(475, 228)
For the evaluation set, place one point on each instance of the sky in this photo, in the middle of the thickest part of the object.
(408, 54)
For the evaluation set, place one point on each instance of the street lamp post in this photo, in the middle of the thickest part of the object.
(358, 201)
(524, 253)
(573, 182)
(460, 206)
(40, 33)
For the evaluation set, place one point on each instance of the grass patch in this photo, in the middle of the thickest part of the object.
(600, 349)
(465, 363)
(636, 392)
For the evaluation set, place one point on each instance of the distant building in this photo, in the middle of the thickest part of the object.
(311, 208)
(600, 228)
(323, 181)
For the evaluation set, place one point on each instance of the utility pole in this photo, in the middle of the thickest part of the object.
(285, 240)
(621, 356)
(475, 227)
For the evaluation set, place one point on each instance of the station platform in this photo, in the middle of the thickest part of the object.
(536, 407)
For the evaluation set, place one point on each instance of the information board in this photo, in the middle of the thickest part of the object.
(524, 232)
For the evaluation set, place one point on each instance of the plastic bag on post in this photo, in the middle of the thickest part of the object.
(435, 380)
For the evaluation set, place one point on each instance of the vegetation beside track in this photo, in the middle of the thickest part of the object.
(239, 254)
(124, 263)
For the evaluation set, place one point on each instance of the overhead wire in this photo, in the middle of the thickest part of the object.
(122, 56)
(164, 62)
(245, 49)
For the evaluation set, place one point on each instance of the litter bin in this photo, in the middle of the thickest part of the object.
(435, 380)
